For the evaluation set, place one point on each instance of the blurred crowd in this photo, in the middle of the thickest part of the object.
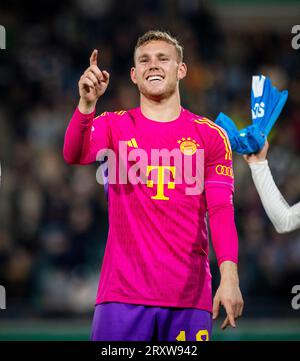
(53, 217)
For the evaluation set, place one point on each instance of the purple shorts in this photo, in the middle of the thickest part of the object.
(116, 321)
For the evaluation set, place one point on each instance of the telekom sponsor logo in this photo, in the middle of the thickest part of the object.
(161, 170)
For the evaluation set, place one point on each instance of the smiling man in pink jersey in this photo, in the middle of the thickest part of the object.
(155, 282)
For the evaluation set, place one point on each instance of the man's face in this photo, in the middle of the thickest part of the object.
(157, 69)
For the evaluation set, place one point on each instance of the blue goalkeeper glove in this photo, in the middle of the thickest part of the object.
(266, 105)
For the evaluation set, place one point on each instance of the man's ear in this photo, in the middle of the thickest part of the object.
(182, 71)
(133, 75)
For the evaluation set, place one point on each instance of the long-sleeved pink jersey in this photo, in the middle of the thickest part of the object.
(157, 246)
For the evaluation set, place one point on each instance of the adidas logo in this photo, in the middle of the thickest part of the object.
(132, 143)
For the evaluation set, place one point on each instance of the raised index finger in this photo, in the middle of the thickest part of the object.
(93, 58)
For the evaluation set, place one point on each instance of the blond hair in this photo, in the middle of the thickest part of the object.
(157, 35)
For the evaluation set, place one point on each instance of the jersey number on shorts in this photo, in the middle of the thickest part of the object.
(199, 335)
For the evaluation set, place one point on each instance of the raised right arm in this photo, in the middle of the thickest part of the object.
(79, 145)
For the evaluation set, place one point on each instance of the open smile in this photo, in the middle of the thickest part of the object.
(154, 78)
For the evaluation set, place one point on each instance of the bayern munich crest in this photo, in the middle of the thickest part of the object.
(188, 146)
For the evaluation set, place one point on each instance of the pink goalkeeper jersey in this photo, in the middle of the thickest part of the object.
(157, 246)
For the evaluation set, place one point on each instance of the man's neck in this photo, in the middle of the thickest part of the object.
(164, 110)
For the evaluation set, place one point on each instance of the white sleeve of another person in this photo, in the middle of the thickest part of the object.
(283, 217)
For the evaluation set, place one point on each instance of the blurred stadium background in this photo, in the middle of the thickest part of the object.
(53, 217)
